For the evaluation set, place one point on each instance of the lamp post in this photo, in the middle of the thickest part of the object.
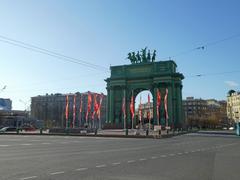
(3, 88)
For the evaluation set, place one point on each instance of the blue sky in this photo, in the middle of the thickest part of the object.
(103, 32)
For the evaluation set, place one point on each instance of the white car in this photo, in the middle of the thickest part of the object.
(4, 129)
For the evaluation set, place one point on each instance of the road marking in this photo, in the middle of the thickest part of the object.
(171, 154)
(26, 144)
(131, 161)
(81, 169)
(179, 153)
(163, 156)
(142, 159)
(153, 157)
(186, 152)
(55, 173)
(193, 151)
(116, 163)
(64, 142)
(30, 177)
(46, 143)
(101, 166)
(75, 141)
(4, 145)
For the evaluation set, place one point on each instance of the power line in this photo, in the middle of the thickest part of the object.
(50, 53)
(213, 74)
(204, 46)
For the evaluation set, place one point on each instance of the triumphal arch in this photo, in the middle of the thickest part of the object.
(145, 73)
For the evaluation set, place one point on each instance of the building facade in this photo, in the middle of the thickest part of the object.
(5, 104)
(233, 106)
(144, 113)
(13, 118)
(202, 113)
(52, 110)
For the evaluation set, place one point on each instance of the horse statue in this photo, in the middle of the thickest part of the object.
(154, 56)
(144, 57)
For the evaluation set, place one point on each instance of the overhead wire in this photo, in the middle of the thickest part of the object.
(203, 46)
(50, 53)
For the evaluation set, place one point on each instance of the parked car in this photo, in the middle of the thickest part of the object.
(28, 128)
(5, 129)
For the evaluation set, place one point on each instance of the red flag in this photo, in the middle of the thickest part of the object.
(140, 109)
(132, 106)
(80, 110)
(99, 107)
(66, 111)
(158, 103)
(95, 106)
(89, 105)
(149, 100)
(165, 105)
(149, 105)
(74, 110)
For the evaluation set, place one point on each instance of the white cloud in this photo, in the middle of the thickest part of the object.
(231, 83)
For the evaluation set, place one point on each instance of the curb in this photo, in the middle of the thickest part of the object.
(103, 135)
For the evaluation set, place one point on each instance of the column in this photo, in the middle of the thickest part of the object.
(170, 104)
(111, 107)
(108, 105)
(124, 119)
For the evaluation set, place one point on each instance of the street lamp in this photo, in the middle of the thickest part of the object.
(3, 88)
(25, 104)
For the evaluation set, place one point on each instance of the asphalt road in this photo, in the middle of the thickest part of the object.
(192, 156)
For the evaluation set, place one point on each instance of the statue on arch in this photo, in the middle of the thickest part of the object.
(148, 56)
(138, 57)
(144, 57)
(134, 57)
(130, 57)
(154, 56)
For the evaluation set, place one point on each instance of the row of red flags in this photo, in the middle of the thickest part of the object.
(96, 107)
(132, 111)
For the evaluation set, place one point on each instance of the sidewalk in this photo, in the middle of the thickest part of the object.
(121, 133)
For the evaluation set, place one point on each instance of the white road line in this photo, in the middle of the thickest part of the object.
(116, 163)
(30, 177)
(75, 141)
(101, 166)
(142, 159)
(26, 144)
(4, 145)
(45, 143)
(64, 142)
(171, 154)
(186, 152)
(179, 153)
(55, 173)
(163, 156)
(81, 169)
(193, 151)
(154, 157)
(131, 161)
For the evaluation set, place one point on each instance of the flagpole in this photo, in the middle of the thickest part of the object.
(80, 111)
(133, 108)
(149, 123)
